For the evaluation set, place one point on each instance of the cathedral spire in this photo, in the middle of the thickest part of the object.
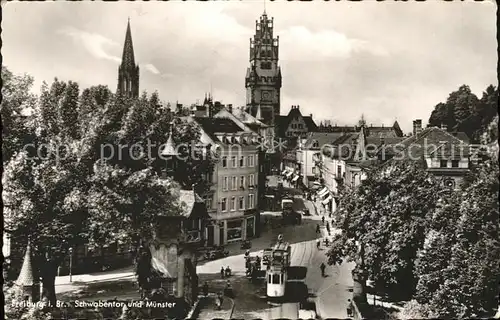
(128, 59)
(128, 72)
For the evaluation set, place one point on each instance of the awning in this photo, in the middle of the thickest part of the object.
(288, 175)
(323, 192)
(327, 200)
(295, 178)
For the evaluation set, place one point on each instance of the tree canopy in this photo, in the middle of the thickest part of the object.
(64, 190)
(422, 241)
(464, 111)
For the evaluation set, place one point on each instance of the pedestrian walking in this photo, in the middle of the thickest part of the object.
(222, 272)
(317, 228)
(318, 243)
(323, 220)
(349, 308)
(322, 267)
(205, 289)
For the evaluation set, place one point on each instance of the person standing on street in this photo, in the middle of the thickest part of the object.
(323, 220)
(349, 308)
(322, 267)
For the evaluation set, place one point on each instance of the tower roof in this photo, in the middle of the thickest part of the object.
(128, 59)
(169, 149)
(26, 275)
(258, 114)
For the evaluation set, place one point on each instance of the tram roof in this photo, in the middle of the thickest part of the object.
(282, 246)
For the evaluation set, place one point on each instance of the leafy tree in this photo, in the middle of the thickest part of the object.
(463, 111)
(383, 223)
(65, 191)
(459, 268)
(17, 101)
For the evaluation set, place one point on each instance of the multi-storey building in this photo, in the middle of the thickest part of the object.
(294, 125)
(234, 196)
(128, 71)
(446, 155)
(263, 77)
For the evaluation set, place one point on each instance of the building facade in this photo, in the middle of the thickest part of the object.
(128, 71)
(263, 77)
(295, 125)
(233, 199)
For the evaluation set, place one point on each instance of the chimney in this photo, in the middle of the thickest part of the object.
(444, 127)
(417, 126)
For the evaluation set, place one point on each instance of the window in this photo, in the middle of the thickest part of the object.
(242, 182)
(242, 162)
(224, 162)
(208, 202)
(251, 180)
(234, 183)
(223, 204)
(232, 204)
(225, 183)
(339, 171)
(454, 163)
(233, 162)
(251, 202)
(250, 161)
(242, 203)
(276, 279)
(443, 163)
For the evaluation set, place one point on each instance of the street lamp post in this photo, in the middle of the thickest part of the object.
(70, 264)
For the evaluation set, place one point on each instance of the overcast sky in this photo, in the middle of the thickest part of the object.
(387, 60)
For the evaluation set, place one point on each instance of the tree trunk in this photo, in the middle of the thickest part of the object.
(49, 283)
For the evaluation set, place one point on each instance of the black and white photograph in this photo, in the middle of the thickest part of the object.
(250, 159)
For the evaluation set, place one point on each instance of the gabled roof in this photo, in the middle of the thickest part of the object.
(283, 122)
(311, 125)
(217, 125)
(322, 139)
(248, 119)
(427, 141)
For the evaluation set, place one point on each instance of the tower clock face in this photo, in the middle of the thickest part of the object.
(266, 95)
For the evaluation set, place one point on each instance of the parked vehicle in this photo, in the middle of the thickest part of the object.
(217, 253)
(246, 244)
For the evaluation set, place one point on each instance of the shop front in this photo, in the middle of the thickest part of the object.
(234, 230)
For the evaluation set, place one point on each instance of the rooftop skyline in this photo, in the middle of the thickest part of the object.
(387, 61)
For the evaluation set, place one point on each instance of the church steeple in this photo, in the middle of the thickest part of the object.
(128, 71)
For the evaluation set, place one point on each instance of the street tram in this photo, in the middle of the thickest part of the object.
(278, 261)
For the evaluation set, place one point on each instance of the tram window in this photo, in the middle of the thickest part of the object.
(281, 278)
(269, 278)
(276, 279)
